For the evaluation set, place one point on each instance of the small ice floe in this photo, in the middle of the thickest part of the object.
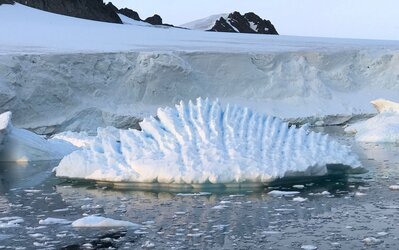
(283, 193)
(308, 247)
(98, 221)
(384, 127)
(148, 244)
(206, 142)
(300, 199)
(394, 187)
(382, 234)
(271, 232)
(325, 193)
(219, 207)
(194, 194)
(194, 235)
(52, 221)
(299, 186)
(371, 241)
(360, 194)
(7, 222)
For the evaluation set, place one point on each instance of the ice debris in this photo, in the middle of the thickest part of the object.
(99, 221)
(204, 142)
(384, 127)
(20, 145)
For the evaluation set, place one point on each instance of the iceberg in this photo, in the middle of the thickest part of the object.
(203, 142)
(384, 127)
(20, 145)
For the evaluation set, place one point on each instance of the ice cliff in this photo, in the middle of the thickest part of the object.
(203, 142)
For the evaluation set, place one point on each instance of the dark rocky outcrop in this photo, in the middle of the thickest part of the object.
(247, 23)
(154, 20)
(87, 9)
(111, 6)
(6, 2)
(130, 13)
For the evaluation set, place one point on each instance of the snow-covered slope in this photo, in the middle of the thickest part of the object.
(19, 145)
(43, 32)
(204, 23)
(204, 142)
(384, 127)
(59, 73)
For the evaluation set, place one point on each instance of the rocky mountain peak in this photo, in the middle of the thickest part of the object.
(247, 23)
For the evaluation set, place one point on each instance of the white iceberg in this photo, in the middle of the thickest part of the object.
(98, 221)
(384, 127)
(205, 143)
(20, 145)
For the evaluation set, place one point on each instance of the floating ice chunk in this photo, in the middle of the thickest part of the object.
(308, 247)
(52, 221)
(300, 199)
(7, 222)
(282, 193)
(371, 241)
(98, 221)
(394, 187)
(202, 142)
(20, 145)
(384, 127)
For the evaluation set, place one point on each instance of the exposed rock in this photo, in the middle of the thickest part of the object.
(248, 23)
(130, 13)
(6, 2)
(111, 6)
(87, 9)
(154, 20)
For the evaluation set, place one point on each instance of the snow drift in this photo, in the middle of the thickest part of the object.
(384, 127)
(206, 143)
(19, 145)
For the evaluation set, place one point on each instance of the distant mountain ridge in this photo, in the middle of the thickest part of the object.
(234, 22)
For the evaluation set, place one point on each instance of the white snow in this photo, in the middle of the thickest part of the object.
(203, 142)
(289, 77)
(20, 145)
(99, 221)
(44, 32)
(204, 23)
(385, 106)
(384, 127)
(128, 20)
(78, 139)
(52, 221)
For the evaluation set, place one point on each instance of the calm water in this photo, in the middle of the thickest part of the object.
(358, 212)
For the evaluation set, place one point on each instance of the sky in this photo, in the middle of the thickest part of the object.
(369, 19)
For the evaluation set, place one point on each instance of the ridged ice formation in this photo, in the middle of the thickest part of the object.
(204, 142)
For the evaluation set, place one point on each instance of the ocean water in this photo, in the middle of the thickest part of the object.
(342, 212)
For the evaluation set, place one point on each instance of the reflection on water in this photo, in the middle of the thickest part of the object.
(356, 211)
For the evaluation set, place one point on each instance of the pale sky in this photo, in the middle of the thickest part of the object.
(373, 19)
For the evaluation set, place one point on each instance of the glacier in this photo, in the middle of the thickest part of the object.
(20, 145)
(382, 128)
(81, 79)
(203, 142)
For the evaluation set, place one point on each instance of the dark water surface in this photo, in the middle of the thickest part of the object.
(356, 212)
